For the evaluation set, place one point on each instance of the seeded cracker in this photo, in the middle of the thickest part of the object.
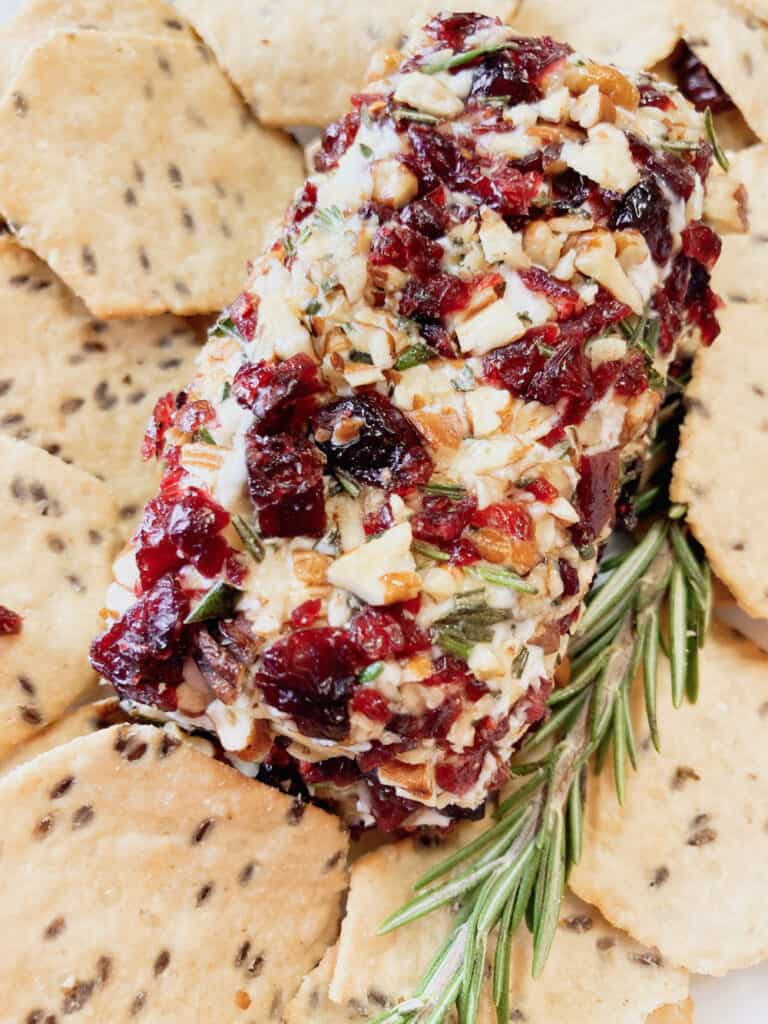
(630, 35)
(595, 973)
(297, 63)
(132, 167)
(732, 42)
(57, 524)
(723, 452)
(741, 273)
(685, 864)
(81, 722)
(151, 880)
(87, 387)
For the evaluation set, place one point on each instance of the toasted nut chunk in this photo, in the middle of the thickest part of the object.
(596, 258)
(592, 106)
(503, 549)
(428, 94)
(571, 224)
(310, 566)
(609, 80)
(442, 429)
(631, 248)
(500, 243)
(383, 63)
(541, 244)
(412, 777)
(393, 183)
(725, 204)
(400, 586)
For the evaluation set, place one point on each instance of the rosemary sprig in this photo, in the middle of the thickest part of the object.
(517, 868)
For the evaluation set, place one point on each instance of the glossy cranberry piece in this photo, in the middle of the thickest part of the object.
(442, 519)
(244, 314)
(514, 366)
(285, 481)
(453, 29)
(389, 810)
(369, 702)
(569, 575)
(673, 170)
(10, 622)
(306, 203)
(310, 675)
(670, 301)
(305, 614)
(565, 299)
(161, 419)
(433, 724)
(194, 415)
(603, 313)
(367, 437)
(177, 530)
(517, 72)
(632, 378)
(533, 704)
(336, 771)
(702, 244)
(454, 674)
(336, 140)
(428, 216)
(462, 552)
(378, 521)
(271, 390)
(143, 653)
(381, 633)
(508, 517)
(596, 495)
(652, 97)
(435, 297)
(702, 311)
(646, 209)
(697, 83)
(543, 490)
(398, 245)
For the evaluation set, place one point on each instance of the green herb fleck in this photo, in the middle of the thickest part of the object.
(288, 245)
(356, 356)
(454, 491)
(709, 125)
(250, 538)
(226, 391)
(371, 672)
(521, 660)
(414, 355)
(312, 308)
(219, 603)
(224, 328)
(347, 483)
(430, 551)
(330, 218)
(203, 436)
(459, 59)
(366, 151)
(401, 114)
(501, 577)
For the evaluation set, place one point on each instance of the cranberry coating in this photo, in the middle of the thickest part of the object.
(516, 72)
(697, 83)
(381, 633)
(441, 519)
(400, 246)
(143, 653)
(507, 517)
(161, 419)
(453, 29)
(566, 300)
(433, 298)
(646, 209)
(428, 215)
(306, 203)
(244, 315)
(369, 702)
(384, 450)
(285, 481)
(10, 622)
(596, 495)
(336, 140)
(702, 244)
(676, 173)
(271, 390)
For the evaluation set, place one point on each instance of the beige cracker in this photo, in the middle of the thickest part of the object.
(298, 63)
(82, 721)
(131, 166)
(58, 525)
(741, 273)
(150, 880)
(684, 865)
(719, 472)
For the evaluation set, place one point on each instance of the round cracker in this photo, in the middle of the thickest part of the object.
(132, 167)
(86, 387)
(741, 273)
(684, 864)
(719, 471)
(58, 525)
(297, 63)
(151, 881)
(606, 30)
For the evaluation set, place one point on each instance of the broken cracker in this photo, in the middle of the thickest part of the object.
(85, 388)
(59, 528)
(681, 1013)
(723, 449)
(741, 273)
(605, 29)
(82, 721)
(151, 881)
(132, 167)
(684, 864)
(297, 64)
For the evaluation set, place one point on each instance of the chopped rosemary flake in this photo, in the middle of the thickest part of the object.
(366, 151)
(290, 248)
(250, 538)
(371, 672)
(500, 577)
(525, 317)
(402, 114)
(203, 436)
(329, 218)
(452, 643)
(677, 511)
(347, 483)
(459, 59)
(465, 381)
(226, 391)
(313, 308)
(521, 660)
(414, 355)
(587, 552)
(430, 551)
(219, 603)
(355, 356)
(709, 125)
(680, 145)
(454, 491)
(224, 328)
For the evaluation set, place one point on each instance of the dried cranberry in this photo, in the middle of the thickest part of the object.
(271, 390)
(389, 810)
(517, 72)
(653, 97)
(10, 622)
(451, 672)
(543, 490)
(143, 653)
(305, 614)
(632, 378)
(702, 311)
(601, 314)
(645, 209)
(336, 140)
(379, 521)
(383, 633)
(441, 518)
(310, 675)
(338, 771)
(696, 82)
(367, 437)
(435, 297)
(676, 173)
(702, 244)
(566, 301)
(179, 530)
(432, 724)
(596, 494)
(438, 338)
(285, 481)
(161, 419)
(462, 552)
(513, 366)
(508, 517)
(533, 704)
(571, 190)
(370, 703)
(244, 315)
(453, 29)
(569, 575)
(399, 246)
(194, 415)
(427, 215)
(305, 204)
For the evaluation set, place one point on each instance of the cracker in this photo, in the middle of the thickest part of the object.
(733, 44)
(311, 1002)
(684, 865)
(131, 166)
(150, 881)
(85, 388)
(595, 973)
(82, 721)
(682, 1013)
(719, 471)
(38, 18)
(297, 63)
(614, 32)
(741, 273)
(58, 529)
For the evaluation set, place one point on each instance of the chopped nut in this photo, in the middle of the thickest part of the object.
(570, 224)
(501, 244)
(503, 549)
(609, 80)
(382, 64)
(592, 106)
(393, 183)
(725, 204)
(632, 249)
(442, 429)
(411, 777)
(428, 94)
(596, 258)
(541, 244)
(310, 566)
(400, 586)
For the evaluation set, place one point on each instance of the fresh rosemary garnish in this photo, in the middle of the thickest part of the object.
(517, 868)
(430, 551)
(219, 603)
(226, 391)
(453, 491)
(501, 577)
(414, 355)
(371, 672)
(403, 114)
(717, 149)
(224, 328)
(250, 538)
(460, 59)
(313, 307)
(203, 436)
(347, 483)
(329, 218)
(366, 151)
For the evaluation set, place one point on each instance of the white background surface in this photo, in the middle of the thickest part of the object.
(742, 997)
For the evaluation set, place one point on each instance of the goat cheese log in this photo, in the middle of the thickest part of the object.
(386, 487)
